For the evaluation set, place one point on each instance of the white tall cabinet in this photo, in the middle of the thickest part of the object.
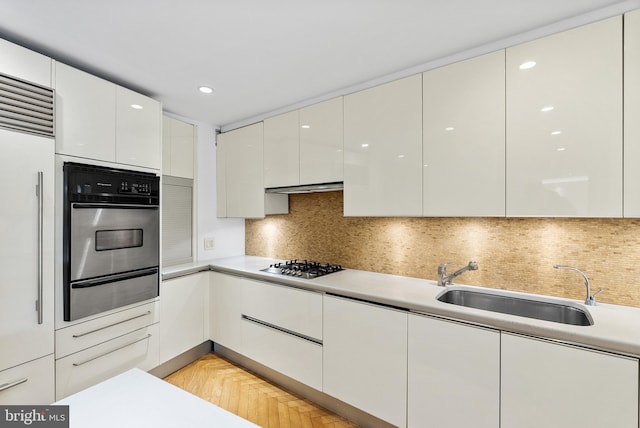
(464, 138)
(383, 150)
(365, 357)
(564, 123)
(631, 114)
(545, 384)
(24, 338)
(453, 374)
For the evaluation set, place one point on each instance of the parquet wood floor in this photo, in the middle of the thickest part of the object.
(251, 397)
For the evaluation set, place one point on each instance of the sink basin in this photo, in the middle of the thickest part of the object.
(530, 308)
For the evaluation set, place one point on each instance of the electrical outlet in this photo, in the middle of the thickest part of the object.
(209, 244)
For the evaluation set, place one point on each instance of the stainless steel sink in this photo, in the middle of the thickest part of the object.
(538, 309)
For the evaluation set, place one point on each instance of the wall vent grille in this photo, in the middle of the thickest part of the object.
(26, 107)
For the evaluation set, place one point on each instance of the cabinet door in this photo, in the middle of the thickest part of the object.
(365, 357)
(177, 148)
(22, 337)
(631, 114)
(545, 384)
(182, 305)
(30, 383)
(85, 115)
(454, 374)
(243, 157)
(226, 311)
(564, 124)
(25, 64)
(383, 150)
(138, 129)
(282, 150)
(321, 142)
(463, 138)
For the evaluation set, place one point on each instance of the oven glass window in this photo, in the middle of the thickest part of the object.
(118, 239)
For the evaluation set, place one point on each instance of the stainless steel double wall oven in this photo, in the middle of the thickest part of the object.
(110, 238)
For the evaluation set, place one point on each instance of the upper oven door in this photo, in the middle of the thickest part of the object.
(109, 238)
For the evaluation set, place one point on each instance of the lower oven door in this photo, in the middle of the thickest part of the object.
(106, 239)
(93, 296)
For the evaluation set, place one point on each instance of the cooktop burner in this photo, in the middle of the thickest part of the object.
(303, 268)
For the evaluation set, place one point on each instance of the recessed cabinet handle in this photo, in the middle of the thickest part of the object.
(112, 351)
(40, 195)
(75, 336)
(10, 385)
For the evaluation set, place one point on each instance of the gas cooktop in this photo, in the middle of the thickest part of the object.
(303, 268)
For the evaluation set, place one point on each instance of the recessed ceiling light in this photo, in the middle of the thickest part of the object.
(556, 133)
(136, 106)
(400, 156)
(547, 108)
(364, 145)
(449, 128)
(561, 149)
(527, 65)
(305, 126)
(205, 89)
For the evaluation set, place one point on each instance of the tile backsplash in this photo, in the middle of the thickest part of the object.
(512, 253)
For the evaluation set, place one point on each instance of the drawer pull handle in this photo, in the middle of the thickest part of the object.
(111, 352)
(75, 336)
(10, 385)
(281, 329)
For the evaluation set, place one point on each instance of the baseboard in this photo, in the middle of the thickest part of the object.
(332, 404)
(186, 358)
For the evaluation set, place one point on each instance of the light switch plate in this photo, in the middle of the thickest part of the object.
(209, 244)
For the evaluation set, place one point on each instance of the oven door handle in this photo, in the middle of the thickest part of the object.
(86, 283)
(123, 206)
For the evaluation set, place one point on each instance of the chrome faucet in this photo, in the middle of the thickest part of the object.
(444, 279)
(590, 300)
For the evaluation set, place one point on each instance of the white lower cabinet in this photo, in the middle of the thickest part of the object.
(552, 385)
(92, 351)
(453, 374)
(183, 304)
(30, 383)
(277, 326)
(365, 357)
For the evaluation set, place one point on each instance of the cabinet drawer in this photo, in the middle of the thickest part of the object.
(80, 336)
(292, 356)
(83, 369)
(31, 383)
(297, 310)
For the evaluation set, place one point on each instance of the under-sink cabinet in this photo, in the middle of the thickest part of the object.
(365, 357)
(453, 374)
(548, 384)
(92, 351)
(277, 326)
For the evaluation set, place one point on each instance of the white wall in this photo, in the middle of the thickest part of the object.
(228, 233)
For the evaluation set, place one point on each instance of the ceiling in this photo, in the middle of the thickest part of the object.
(262, 56)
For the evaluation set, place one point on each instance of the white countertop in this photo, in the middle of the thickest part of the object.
(138, 399)
(615, 327)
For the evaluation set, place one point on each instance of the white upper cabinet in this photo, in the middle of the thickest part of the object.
(178, 141)
(138, 129)
(97, 119)
(282, 150)
(383, 150)
(464, 138)
(243, 153)
(85, 115)
(304, 146)
(25, 64)
(564, 123)
(632, 114)
(321, 142)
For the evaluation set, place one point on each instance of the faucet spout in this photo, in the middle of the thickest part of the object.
(444, 279)
(590, 300)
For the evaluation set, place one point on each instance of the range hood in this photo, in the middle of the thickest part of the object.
(307, 188)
